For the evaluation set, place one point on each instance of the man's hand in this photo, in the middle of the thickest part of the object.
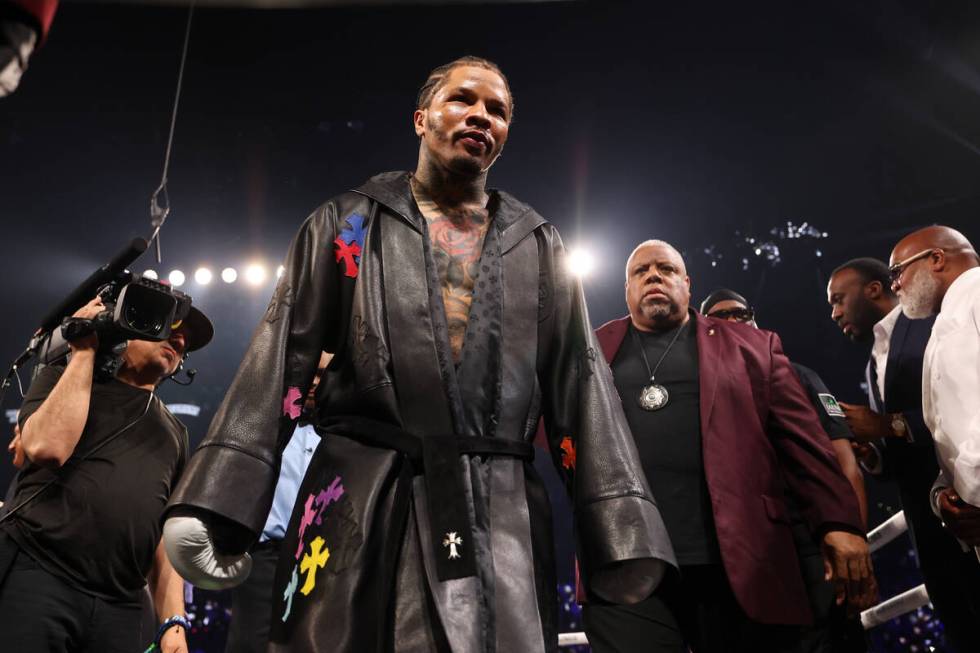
(866, 424)
(16, 448)
(961, 518)
(847, 563)
(87, 312)
(866, 454)
(174, 640)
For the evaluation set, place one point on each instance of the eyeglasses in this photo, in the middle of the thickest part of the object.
(737, 314)
(895, 271)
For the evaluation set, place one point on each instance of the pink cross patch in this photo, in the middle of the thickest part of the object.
(290, 405)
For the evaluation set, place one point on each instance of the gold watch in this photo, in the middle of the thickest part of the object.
(900, 429)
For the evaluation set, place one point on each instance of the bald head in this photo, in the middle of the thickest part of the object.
(925, 263)
(663, 246)
(934, 237)
(658, 290)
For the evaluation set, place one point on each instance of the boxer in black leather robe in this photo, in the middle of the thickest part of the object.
(421, 524)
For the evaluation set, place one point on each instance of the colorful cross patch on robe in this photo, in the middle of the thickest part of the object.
(290, 403)
(287, 595)
(312, 556)
(314, 507)
(350, 244)
(567, 453)
(306, 520)
(314, 560)
(325, 497)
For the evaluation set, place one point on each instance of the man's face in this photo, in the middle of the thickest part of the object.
(917, 289)
(727, 310)
(658, 290)
(851, 307)
(916, 286)
(465, 126)
(164, 357)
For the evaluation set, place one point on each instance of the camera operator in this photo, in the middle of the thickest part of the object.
(82, 535)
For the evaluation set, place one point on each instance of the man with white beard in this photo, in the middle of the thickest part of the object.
(936, 270)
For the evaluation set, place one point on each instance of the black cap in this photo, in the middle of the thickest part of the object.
(721, 295)
(198, 329)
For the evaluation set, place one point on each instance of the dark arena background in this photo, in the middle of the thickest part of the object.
(768, 142)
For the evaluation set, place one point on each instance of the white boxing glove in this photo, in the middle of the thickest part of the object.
(190, 548)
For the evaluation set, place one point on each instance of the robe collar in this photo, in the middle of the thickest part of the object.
(513, 218)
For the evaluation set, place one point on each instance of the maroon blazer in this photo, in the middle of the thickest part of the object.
(760, 438)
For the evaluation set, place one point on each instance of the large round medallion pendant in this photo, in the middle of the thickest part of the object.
(653, 397)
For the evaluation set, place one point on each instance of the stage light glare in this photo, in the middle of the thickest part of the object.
(255, 274)
(580, 262)
(203, 276)
(176, 278)
(150, 274)
(279, 271)
(229, 275)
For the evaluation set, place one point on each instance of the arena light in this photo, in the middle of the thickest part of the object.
(580, 262)
(229, 275)
(176, 278)
(203, 276)
(150, 274)
(255, 274)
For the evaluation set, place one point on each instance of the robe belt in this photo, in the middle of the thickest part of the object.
(436, 457)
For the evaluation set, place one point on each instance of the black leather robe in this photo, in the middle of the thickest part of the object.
(359, 282)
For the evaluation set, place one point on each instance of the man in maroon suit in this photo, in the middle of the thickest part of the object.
(725, 432)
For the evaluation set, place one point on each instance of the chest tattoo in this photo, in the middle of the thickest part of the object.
(457, 241)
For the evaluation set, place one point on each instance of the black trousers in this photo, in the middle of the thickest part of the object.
(696, 610)
(41, 613)
(832, 631)
(952, 577)
(251, 602)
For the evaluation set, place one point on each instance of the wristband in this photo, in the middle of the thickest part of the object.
(176, 620)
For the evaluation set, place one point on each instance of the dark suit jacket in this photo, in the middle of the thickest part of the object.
(903, 374)
(911, 464)
(760, 439)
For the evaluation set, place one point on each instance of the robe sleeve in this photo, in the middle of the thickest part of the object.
(233, 472)
(622, 543)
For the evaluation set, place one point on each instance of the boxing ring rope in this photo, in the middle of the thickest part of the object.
(885, 611)
(572, 639)
(887, 531)
(896, 606)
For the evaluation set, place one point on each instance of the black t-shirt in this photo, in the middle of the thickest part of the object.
(832, 420)
(98, 525)
(828, 410)
(669, 440)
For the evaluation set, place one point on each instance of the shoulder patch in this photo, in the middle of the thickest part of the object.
(830, 404)
(350, 243)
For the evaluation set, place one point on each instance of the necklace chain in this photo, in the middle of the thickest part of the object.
(643, 350)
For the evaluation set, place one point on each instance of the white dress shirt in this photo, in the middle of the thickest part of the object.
(879, 351)
(951, 386)
(879, 354)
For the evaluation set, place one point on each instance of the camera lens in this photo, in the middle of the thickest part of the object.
(145, 312)
(143, 320)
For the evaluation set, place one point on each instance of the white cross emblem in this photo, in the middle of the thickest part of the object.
(452, 541)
